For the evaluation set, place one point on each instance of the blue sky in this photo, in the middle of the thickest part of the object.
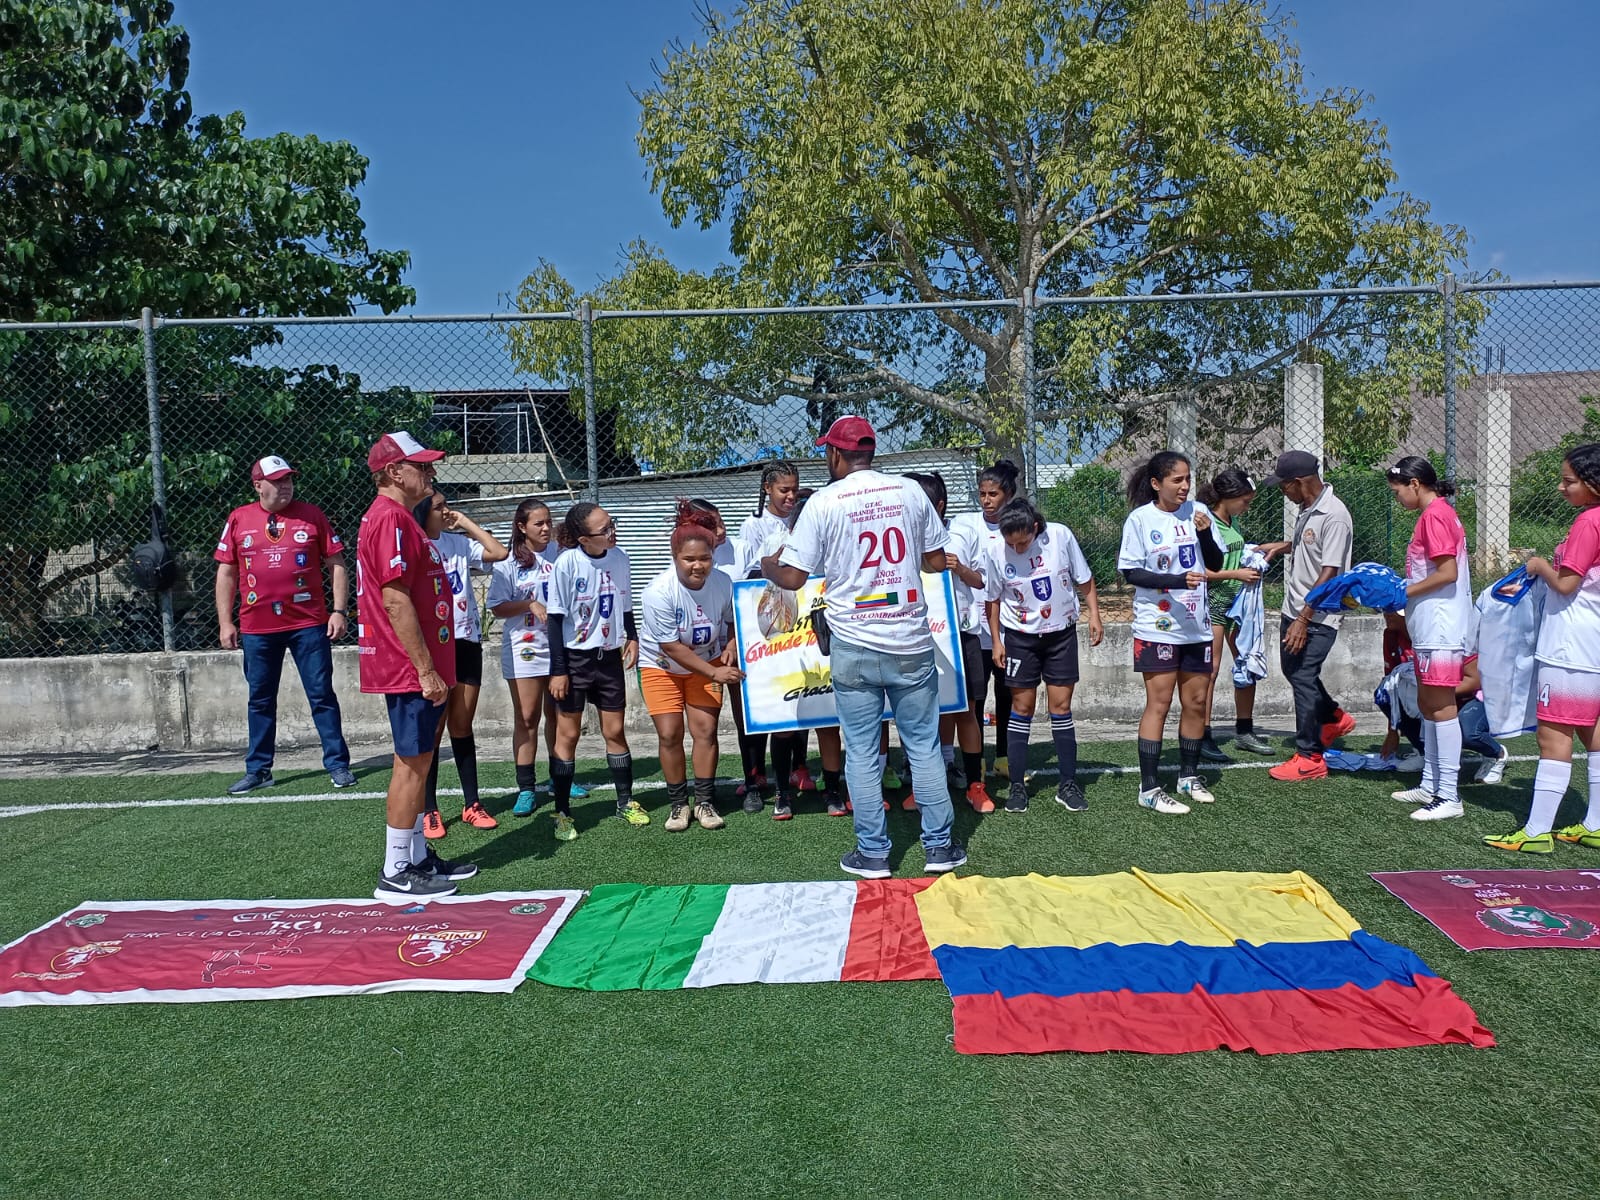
(500, 133)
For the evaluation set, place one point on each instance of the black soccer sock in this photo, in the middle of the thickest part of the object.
(1243, 726)
(1207, 735)
(561, 770)
(802, 746)
(677, 793)
(465, 751)
(753, 748)
(1149, 764)
(1017, 731)
(527, 777)
(832, 781)
(1002, 717)
(705, 791)
(782, 760)
(430, 802)
(621, 766)
(1064, 732)
(1189, 756)
(972, 762)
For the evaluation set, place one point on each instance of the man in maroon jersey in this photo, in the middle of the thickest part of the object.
(403, 601)
(270, 558)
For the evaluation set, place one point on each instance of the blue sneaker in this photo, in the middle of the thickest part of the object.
(857, 863)
(342, 777)
(946, 858)
(526, 803)
(579, 792)
(252, 781)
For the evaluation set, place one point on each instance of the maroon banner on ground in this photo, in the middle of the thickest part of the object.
(1505, 910)
(180, 951)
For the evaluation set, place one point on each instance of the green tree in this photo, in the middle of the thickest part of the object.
(955, 150)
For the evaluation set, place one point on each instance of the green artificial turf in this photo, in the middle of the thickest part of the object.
(811, 1090)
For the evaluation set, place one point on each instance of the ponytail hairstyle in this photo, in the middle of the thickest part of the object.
(1413, 469)
(1003, 475)
(1227, 484)
(710, 510)
(695, 524)
(800, 498)
(572, 525)
(933, 485)
(520, 550)
(778, 468)
(1156, 468)
(1585, 463)
(1019, 516)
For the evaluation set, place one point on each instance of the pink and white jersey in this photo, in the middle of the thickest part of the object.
(1440, 620)
(1038, 590)
(866, 535)
(1569, 636)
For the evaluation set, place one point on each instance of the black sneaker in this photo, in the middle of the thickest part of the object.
(251, 782)
(444, 868)
(857, 863)
(783, 807)
(1017, 799)
(1070, 796)
(836, 805)
(752, 800)
(410, 883)
(1212, 753)
(946, 858)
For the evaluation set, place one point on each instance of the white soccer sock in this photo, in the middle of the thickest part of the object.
(1430, 758)
(396, 849)
(419, 841)
(1591, 819)
(949, 753)
(1549, 787)
(1447, 752)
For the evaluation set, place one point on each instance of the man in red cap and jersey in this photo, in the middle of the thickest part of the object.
(403, 600)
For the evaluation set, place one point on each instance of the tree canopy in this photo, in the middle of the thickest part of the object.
(978, 150)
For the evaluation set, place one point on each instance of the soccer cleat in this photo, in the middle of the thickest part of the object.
(1212, 753)
(254, 781)
(1493, 770)
(566, 828)
(753, 802)
(1413, 796)
(1521, 840)
(1299, 768)
(755, 783)
(678, 818)
(1017, 799)
(444, 868)
(838, 806)
(478, 817)
(707, 815)
(1157, 800)
(910, 802)
(526, 802)
(1252, 743)
(978, 796)
(857, 863)
(433, 824)
(342, 777)
(578, 792)
(632, 813)
(783, 807)
(800, 780)
(1070, 796)
(1337, 728)
(1438, 809)
(411, 884)
(1579, 835)
(945, 858)
(1192, 787)
(891, 780)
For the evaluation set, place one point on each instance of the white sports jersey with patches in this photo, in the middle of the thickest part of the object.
(592, 593)
(755, 533)
(981, 536)
(1166, 543)
(462, 558)
(1038, 591)
(671, 612)
(524, 641)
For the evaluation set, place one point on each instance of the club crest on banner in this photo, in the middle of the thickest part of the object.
(426, 949)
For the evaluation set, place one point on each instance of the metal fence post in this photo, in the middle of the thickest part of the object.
(1447, 288)
(590, 435)
(1029, 411)
(158, 468)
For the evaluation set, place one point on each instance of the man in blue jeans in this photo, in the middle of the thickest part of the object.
(270, 558)
(871, 536)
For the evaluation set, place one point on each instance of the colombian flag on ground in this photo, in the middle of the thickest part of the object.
(1166, 964)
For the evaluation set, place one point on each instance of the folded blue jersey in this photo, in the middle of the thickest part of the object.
(1366, 585)
(1511, 588)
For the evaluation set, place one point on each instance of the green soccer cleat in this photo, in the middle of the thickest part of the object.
(891, 780)
(1579, 835)
(632, 813)
(1542, 843)
(566, 829)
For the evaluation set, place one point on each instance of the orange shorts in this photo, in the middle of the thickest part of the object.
(666, 693)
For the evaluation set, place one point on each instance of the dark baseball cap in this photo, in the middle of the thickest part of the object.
(1291, 464)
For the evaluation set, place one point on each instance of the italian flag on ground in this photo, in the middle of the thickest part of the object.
(627, 936)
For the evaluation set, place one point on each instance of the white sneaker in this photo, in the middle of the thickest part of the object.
(1195, 789)
(1158, 800)
(1494, 770)
(1438, 810)
(1414, 795)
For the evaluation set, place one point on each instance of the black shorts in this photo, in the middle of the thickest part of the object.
(1032, 658)
(594, 677)
(469, 662)
(972, 663)
(1163, 658)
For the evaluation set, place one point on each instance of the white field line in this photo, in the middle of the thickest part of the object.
(648, 785)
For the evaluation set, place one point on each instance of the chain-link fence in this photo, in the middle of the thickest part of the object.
(639, 408)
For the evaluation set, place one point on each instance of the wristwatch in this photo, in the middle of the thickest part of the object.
(342, 612)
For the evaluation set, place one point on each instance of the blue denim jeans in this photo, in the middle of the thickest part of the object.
(263, 669)
(1475, 729)
(862, 679)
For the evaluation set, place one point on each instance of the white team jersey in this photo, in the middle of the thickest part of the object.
(1166, 543)
(670, 611)
(592, 593)
(966, 546)
(1038, 591)
(1444, 619)
(461, 556)
(982, 536)
(729, 558)
(1569, 634)
(755, 533)
(866, 535)
(524, 640)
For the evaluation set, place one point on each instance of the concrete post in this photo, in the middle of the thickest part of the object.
(1183, 425)
(1494, 481)
(169, 702)
(1302, 421)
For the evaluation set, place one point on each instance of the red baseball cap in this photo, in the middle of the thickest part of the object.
(271, 467)
(850, 433)
(399, 447)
